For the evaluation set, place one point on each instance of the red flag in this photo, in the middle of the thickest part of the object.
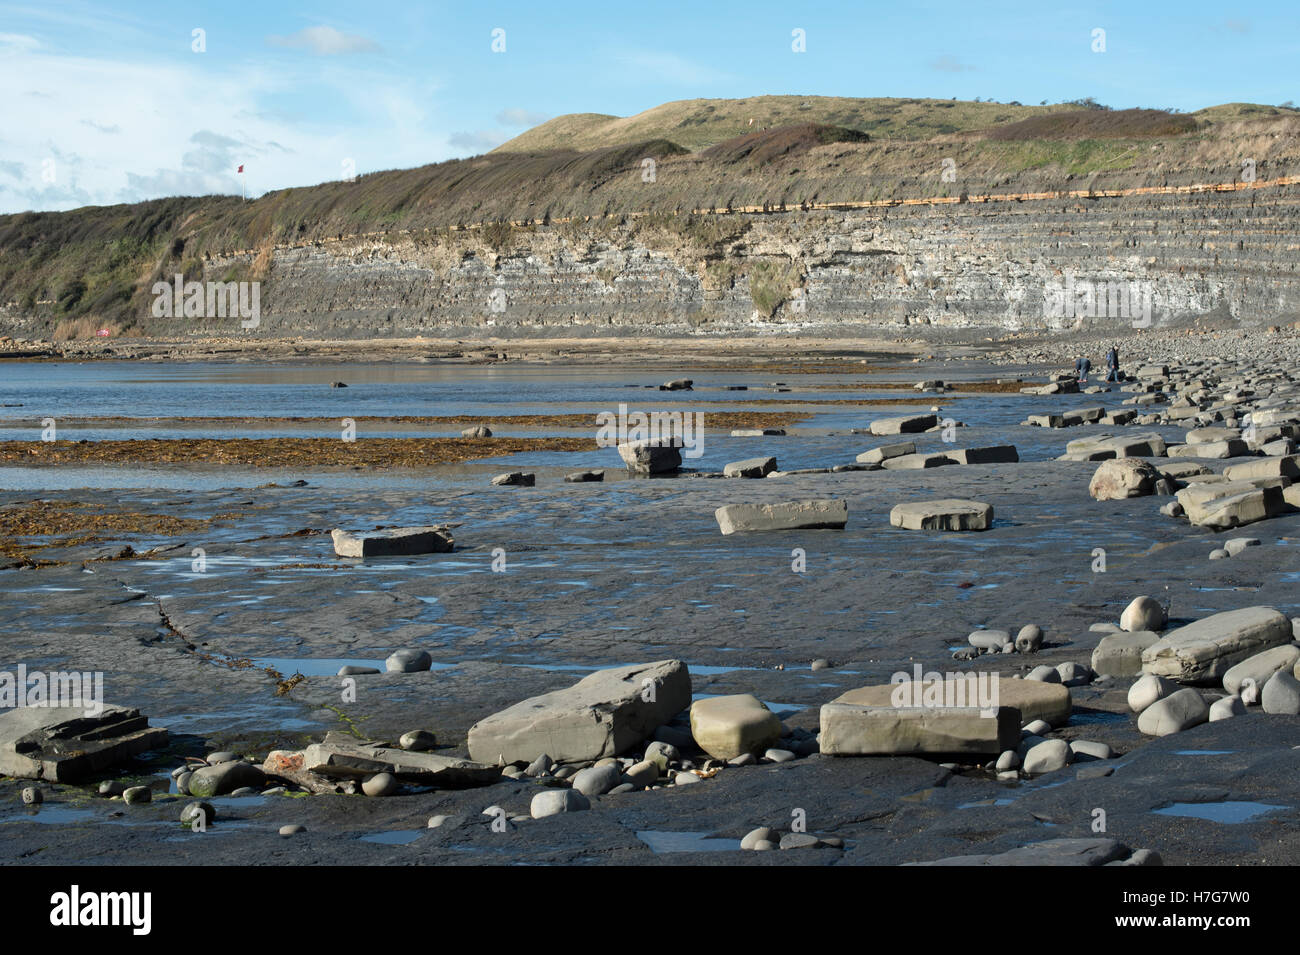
(241, 168)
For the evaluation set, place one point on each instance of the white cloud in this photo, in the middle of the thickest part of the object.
(325, 41)
(126, 130)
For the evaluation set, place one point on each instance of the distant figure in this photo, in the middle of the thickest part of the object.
(1081, 368)
(1112, 364)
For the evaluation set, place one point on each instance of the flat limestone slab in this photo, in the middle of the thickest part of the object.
(395, 542)
(1054, 852)
(1103, 447)
(62, 744)
(604, 714)
(999, 454)
(785, 516)
(916, 462)
(1225, 504)
(1034, 699)
(1202, 652)
(881, 454)
(1232, 448)
(851, 730)
(342, 756)
(1284, 466)
(949, 514)
(907, 424)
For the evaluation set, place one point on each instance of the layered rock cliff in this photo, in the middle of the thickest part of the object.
(1228, 256)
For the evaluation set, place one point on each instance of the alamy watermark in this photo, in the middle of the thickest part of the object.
(933, 690)
(179, 298)
(682, 429)
(25, 688)
(1107, 298)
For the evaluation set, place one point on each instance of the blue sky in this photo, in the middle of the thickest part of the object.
(108, 103)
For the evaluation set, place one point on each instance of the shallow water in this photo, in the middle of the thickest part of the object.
(661, 841)
(1229, 812)
(63, 390)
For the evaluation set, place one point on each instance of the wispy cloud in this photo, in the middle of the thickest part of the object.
(102, 127)
(325, 41)
(950, 64)
(671, 68)
(521, 117)
(482, 141)
(11, 42)
(1237, 26)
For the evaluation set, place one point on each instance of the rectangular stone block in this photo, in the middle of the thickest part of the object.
(784, 516)
(851, 730)
(604, 714)
(907, 424)
(1000, 454)
(886, 451)
(395, 542)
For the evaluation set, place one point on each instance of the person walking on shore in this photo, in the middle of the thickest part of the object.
(1112, 364)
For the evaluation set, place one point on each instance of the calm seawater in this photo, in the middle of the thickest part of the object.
(32, 391)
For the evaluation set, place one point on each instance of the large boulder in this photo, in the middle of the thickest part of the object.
(729, 726)
(1034, 699)
(66, 744)
(784, 516)
(907, 424)
(224, 778)
(1174, 713)
(395, 542)
(1260, 667)
(1122, 478)
(1204, 651)
(652, 457)
(949, 514)
(604, 714)
(1143, 613)
(848, 729)
(1281, 694)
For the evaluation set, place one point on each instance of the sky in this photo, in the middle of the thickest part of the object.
(106, 103)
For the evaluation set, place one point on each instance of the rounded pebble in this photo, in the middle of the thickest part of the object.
(380, 784)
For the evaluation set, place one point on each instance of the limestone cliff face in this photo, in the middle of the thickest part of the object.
(959, 267)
